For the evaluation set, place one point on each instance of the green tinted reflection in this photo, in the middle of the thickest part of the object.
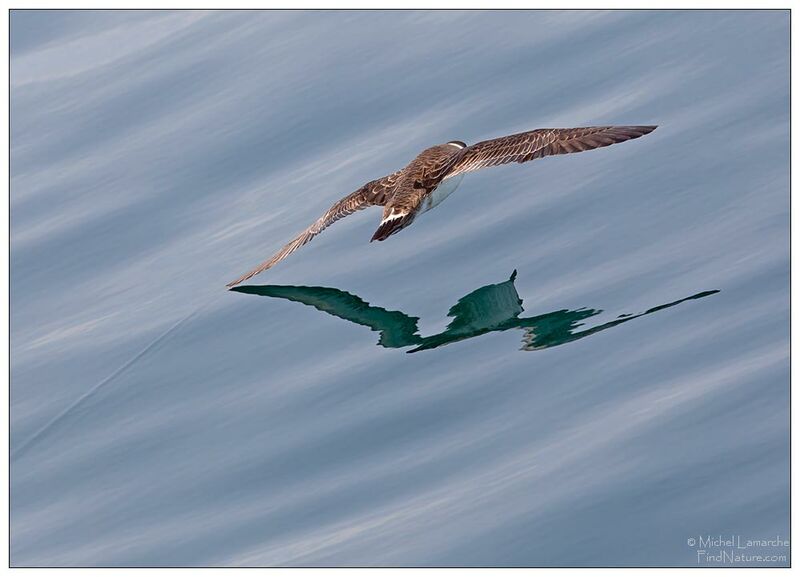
(494, 307)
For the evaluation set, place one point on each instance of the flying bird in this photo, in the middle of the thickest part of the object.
(436, 172)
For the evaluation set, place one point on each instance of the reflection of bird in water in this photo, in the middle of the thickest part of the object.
(494, 307)
(396, 328)
(436, 172)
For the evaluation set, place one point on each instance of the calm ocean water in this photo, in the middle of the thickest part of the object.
(157, 419)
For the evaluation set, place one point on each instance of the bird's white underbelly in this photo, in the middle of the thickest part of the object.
(445, 189)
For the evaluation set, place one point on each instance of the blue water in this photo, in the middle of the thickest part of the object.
(157, 419)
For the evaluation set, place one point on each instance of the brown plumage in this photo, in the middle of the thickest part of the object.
(373, 193)
(422, 184)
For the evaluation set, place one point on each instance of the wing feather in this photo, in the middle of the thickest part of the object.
(373, 193)
(538, 143)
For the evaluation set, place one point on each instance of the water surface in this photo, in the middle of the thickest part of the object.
(157, 419)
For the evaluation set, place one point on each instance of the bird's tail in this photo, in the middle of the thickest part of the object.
(394, 222)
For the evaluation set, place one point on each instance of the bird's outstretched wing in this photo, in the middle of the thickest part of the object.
(396, 328)
(527, 146)
(373, 193)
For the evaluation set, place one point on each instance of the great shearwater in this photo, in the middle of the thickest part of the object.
(435, 173)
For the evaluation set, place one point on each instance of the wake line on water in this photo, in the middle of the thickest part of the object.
(110, 378)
